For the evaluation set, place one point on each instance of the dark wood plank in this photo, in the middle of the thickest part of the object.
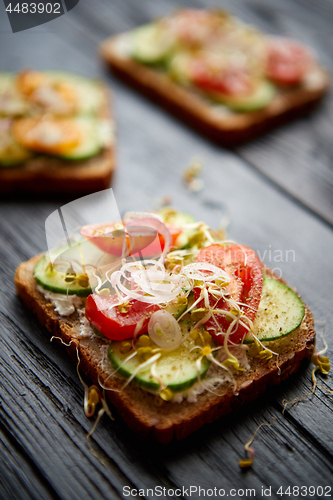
(19, 475)
(57, 400)
(297, 157)
(226, 437)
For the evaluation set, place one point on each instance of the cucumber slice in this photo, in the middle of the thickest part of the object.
(175, 218)
(258, 100)
(178, 219)
(12, 103)
(91, 142)
(150, 44)
(54, 281)
(183, 240)
(280, 311)
(177, 307)
(177, 369)
(90, 93)
(177, 68)
(89, 131)
(6, 81)
(12, 153)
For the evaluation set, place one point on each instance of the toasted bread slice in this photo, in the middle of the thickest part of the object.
(223, 126)
(47, 174)
(146, 413)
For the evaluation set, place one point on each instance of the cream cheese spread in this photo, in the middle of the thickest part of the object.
(64, 305)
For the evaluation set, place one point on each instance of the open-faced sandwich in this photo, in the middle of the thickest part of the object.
(225, 78)
(56, 133)
(178, 326)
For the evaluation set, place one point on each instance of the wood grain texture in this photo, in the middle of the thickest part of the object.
(43, 445)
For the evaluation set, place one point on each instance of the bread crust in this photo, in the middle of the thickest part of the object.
(146, 413)
(46, 174)
(229, 129)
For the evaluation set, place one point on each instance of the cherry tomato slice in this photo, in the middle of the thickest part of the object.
(287, 62)
(103, 313)
(245, 271)
(230, 81)
(159, 243)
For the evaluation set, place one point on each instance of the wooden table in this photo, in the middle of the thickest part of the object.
(278, 193)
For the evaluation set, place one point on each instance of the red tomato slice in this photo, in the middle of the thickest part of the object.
(175, 232)
(103, 314)
(231, 80)
(159, 243)
(287, 62)
(245, 270)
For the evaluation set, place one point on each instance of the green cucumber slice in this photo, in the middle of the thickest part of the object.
(183, 240)
(6, 81)
(177, 369)
(14, 103)
(12, 153)
(54, 281)
(177, 307)
(150, 44)
(280, 312)
(91, 143)
(178, 219)
(90, 93)
(258, 100)
(175, 218)
(177, 68)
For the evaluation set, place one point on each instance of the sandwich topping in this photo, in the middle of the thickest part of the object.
(64, 305)
(179, 310)
(51, 113)
(220, 58)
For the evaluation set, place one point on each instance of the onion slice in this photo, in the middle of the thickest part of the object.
(147, 281)
(164, 330)
(203, 271)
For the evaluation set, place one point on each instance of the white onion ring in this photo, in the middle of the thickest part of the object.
(148, 281)
(193, 271)
(164, 330)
